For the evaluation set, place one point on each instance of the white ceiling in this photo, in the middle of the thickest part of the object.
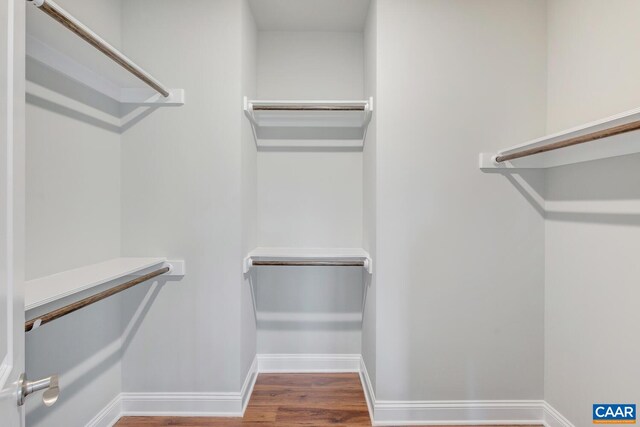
(310, 15)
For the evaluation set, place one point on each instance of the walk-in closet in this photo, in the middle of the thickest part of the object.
(319, 212)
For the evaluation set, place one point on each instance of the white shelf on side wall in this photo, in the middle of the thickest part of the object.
(609, 143)
(282, 256)
(49, 289)
(309, 124)
(106, 81)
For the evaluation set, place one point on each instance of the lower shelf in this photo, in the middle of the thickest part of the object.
(312, 257)
(49, 289)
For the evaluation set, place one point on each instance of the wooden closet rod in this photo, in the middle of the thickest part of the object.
(605, 133)
(63, 311)
(305, 107)
(310, 263)
(66, 19)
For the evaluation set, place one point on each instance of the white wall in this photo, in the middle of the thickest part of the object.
(591, 74)
(73, 174)
(593, 223)
(309, 198)
(310, 65)
(182, 196)
(72, 219)
(460, 263)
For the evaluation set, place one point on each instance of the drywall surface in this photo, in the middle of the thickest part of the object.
(460, 262)
(73, 190)
(369, 184)
(310, 15)
(315, 310)
(593, 218)
(72, 219)
(181, 188)
(73, 156)
(591, 74)
(309, 198)
(310, 65)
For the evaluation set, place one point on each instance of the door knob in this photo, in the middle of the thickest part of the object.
(49, 385)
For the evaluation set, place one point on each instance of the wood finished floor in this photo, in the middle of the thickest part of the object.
(287, 400)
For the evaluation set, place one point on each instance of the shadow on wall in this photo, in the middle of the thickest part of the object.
(603, 191)
(528, 184)
(83, 348)
(55, 92)
(309, 298)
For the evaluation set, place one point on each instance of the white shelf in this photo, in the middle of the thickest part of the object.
(618, 145)
(338, 124)
(98, 74)
(284, 254)
(52, 288)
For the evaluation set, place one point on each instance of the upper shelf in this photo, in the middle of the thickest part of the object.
(48, 289)
(614, 136)
(73, 54)
(281, 256)
(309, 123)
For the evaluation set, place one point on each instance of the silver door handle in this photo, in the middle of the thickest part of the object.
(49, 384)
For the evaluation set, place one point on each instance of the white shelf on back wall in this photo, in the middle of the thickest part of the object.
(49, 289)
(325, 255)
(309, 124)
(602, 148)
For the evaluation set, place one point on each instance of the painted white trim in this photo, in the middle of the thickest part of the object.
(457, 412)
(294, 363)
(182, 404)
(553, 418)
(109, 415)
(249, 382)
(382, 412)
(12, 120)
(5, 366)
(464, 412)
(225, 404)
(367, 387)
(178, 404)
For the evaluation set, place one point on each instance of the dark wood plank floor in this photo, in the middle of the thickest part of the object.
(287, 400)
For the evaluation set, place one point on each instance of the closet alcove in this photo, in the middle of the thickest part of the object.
(82, 95)
(256, 172)
(308, 118)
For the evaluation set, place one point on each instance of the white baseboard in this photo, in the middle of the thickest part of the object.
(229, 404)
(249, 382)
(459, 413)
(553, 418)
(179, 404)
(182, 404)
(382, 412)
(109, 415)
(309, 363)
(367, 387)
